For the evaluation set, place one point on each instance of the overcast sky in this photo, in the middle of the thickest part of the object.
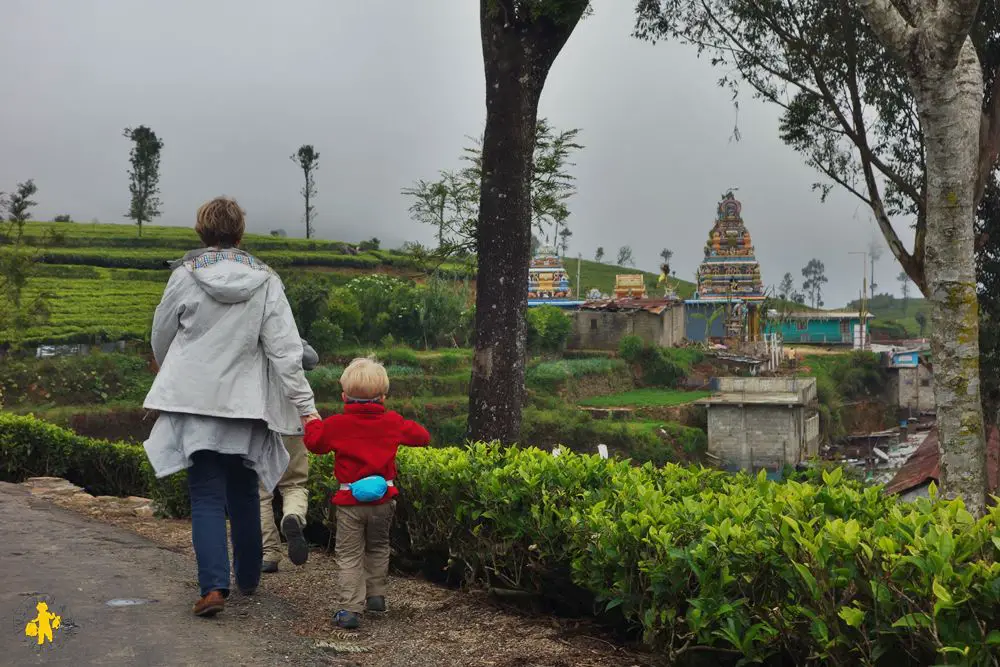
(387, 91)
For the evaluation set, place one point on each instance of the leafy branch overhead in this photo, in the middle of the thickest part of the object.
(846, 107)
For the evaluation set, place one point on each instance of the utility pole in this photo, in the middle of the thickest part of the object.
(864, 292)
(579, 262)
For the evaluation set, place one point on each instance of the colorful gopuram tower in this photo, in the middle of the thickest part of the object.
(548, 281)
(730, 273)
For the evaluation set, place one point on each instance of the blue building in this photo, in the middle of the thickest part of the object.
(821, 328)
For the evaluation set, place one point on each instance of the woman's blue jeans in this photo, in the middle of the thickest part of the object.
(221, 483)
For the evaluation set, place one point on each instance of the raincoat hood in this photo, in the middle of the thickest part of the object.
(228, 276)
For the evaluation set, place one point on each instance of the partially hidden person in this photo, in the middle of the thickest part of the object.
(294, 497)
(230, 384)
(364, 440)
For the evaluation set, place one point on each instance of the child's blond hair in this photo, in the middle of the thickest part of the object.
(364, 378)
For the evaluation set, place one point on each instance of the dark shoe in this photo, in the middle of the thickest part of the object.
(298, 548)
(346, 620)
(248, 591)
(269, 566)
(376, 603)
(210, 605)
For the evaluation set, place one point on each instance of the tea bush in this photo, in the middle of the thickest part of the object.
(551, 375)
(74, 380)
(702, 562)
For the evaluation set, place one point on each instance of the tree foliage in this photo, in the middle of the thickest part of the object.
(904, 287)
(17, 265)
(450, 203)
(787, 287)
(814, 277)
(599, 254)
(307, 158)
(625, 256)
(144, 175)
(846, 107)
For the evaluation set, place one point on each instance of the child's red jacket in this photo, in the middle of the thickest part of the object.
(364, 440)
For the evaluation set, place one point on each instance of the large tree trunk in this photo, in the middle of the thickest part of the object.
(504, 237)
(519, 48)
(949, 102)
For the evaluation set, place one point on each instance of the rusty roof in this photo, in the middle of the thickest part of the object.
(924, 465)
(655, 306)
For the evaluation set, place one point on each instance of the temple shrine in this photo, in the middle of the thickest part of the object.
(729, 281)
(548, 282)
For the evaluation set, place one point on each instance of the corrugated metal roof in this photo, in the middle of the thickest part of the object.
(655, 306)
(923, 466)
(826, 315)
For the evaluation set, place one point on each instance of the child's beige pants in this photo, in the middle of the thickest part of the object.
(362, 553)
(294, 497)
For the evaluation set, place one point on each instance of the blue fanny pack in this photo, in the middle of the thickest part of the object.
(368, 489)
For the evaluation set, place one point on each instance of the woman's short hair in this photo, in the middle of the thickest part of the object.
(364, 378)
(221, 223)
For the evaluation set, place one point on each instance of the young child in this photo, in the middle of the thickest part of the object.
(364, 440)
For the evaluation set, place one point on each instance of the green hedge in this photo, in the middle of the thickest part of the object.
(703, 562)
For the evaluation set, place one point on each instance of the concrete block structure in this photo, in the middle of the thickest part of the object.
(756, 423)
(600, 325)
(911, 381)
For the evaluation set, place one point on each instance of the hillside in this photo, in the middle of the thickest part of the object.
(103, 281)
(893, 317)
(602, 276)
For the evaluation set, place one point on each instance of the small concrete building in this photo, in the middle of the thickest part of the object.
(911, 381)
(600, 325)
(756, 423)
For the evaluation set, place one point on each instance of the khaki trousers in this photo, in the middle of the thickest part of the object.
(294, 497)
(362, 553)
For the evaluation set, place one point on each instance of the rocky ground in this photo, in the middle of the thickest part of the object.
(427, 625)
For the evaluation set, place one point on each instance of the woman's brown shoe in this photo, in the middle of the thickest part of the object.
(210, 605)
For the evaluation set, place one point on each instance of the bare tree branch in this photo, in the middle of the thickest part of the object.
(954, 21)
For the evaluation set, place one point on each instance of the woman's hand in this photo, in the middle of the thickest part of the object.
(310, 418)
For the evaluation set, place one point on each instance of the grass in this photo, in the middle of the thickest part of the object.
(645, 398)
(602, 276)
(891, 312)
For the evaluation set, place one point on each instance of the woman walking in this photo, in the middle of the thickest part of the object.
(230, 382)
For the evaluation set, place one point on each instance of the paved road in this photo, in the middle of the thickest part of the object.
(79, 565)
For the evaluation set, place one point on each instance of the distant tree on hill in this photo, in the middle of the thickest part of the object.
(904, 286)
(564, 235)
(279, 233)
(17, 265)
(815, 277)
(64, 217)
(20, 203)
(625, 256)
(799, 298)
(144, 177)
(874, 254)
(921, 318)
(599, 255)
(787, 287)
(374, 243)
(451, 202)
(536, 243)
(667, 254)
(307, 158)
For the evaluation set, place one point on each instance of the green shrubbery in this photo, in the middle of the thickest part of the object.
(703, 562)
(658, 366)
(551, 375)
(375, 308)
(842, 378)
(548, 328)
